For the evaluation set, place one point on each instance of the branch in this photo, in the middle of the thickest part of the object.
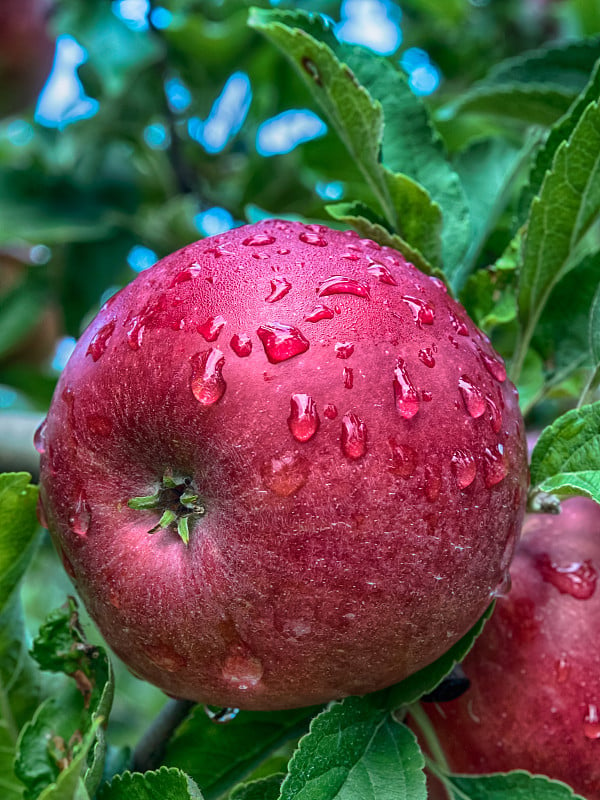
(150, 750)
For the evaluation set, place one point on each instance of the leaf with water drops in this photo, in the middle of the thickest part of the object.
(156, 785)
(355, 749)
(517, 785)
(566, 458)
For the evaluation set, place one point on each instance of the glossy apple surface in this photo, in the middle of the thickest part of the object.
(355, 451)
(534, 700)
(26, 52)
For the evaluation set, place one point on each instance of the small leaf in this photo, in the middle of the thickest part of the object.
(355, 749)
(517, 785)
(163, 784)
(262, 789)
(148, 501)
(566, 458)
(69, 785)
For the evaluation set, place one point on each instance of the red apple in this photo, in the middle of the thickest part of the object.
(26, 52)
(337, 439)
(534, 700)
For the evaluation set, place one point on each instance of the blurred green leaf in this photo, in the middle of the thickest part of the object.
(594, 325)
(163, 784)
(263, 789)
(518, 785)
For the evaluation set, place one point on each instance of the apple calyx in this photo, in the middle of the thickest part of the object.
(179, 501)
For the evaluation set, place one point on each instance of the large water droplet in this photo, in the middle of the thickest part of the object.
(39, 437)
(426, 356)
(207, 382)
(382, 273)
(422, 311)
(495, 415)
(221, 716)
(165, 657)
(281, 341)
(348, 376)
(99, 341)
(405, 394)
(494, 465)
(81, 516)
(309, 237)
(338, 284)
(459, 325)
(354, 436)
(212, 327)
(242, 669)
(404, 458)
(279, 288)
(135, 332)
(591, 722)
(577, 579)
(303, 419)
(99, 425)
(259, 240)
(494, 366)
(285, 474)
(464, 467)
(241, 344)
(472, 397)
(318, 313)
(344, 349)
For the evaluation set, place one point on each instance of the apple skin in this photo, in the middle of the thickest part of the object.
(26, 53)
(534, 700)
(323, 566)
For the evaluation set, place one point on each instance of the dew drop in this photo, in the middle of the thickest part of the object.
(459, 325)
(261, 256)
(354, 436)
(348, 376)
(185, 275)
(259, 240)
(422, 311)
(99, 341)
(165, 657)
(494, 366)
(338, 284)
(281, 341)
(81, 517)
(279, 288)
(308, 237)
(426, 397)
(495, 415)
(330, 411)
(221, 716)
(440, 284)
(285, 474)
(382, 273)
(283, 251)
(494, 465)
(220, 250)
(426, 356)
(562, 669)
(99, 425)
(472, 397)
(241, 344)
(318, 313)
(303, 420)
(591, 722)
(344, 349)
(135, 332)
(351, 256)
(433, 484)
(370, 244)
(212, 327)
(404, 458)
(577, 579)
(207, 383)
(242, 669)
(464, 467)
(405, 394)
(39, 437)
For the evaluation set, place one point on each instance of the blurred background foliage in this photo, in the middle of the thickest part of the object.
(162, 122)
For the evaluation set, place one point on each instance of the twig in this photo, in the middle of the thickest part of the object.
(150, 749)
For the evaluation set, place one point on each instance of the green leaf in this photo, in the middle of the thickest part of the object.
(19, 312)
(425, 680)
(531, 381)
(566, 458)
(219, 756)
(263, 789)
(594, 326)
(19, 683)
(355, 749)
(163, 784)
(69, 785)
(517, 785)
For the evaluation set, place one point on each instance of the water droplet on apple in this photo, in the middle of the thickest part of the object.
(464, 467)
(279, 288)
(259, 240)
(338, 284)
(242, 669)
(212, 327)
(404, 458)
(426, 356)
(562, 669)
(308, 237)
(433, 484)
(459, 325)
(283, 251)
(422, 311)
(39, 437)
(165, 657)
(41, 513)
(207, 382)
(318, 313)
(382, 273)
(591, 722)
(99, 425)
(348, 376)
(472, 397)
(330, 411)
(185, 275)
(219, 250)
(281, 341)
(495, 415)
(351, 256)
(504, 586)
(241, 344)
(135, 332)
(354, 436)
(303, 420)
(344, 349)
(494, 366)
(221, 716)
(405, 394)
(440, 284)
(577, 578)
(81, 517)
(99, 342)
(494, 465)
(285, 474)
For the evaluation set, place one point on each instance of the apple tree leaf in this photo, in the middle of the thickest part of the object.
(69, 784)
(517, 785)
(19, 683)
(566, 458)
(52, 740)
(355, 749)
(262, 789)
(218, 756)
(159, 785)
